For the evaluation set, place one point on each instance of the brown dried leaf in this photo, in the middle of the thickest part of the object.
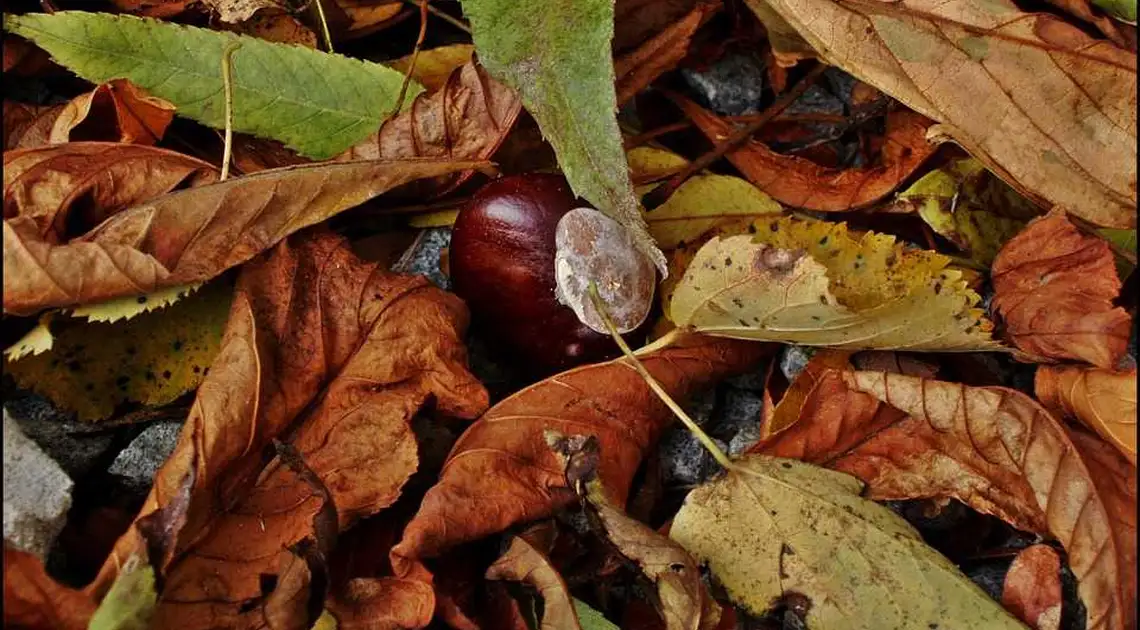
(1123, 35)
(1047, 108)
(28, 125)
(801, 183)
(1032, 588)
(522, 562)
(191, 235)
(381, 604)
(1054, 287)
(1104, 401)
(34, 601)
(501, 471)
(116, 111)
(467, 119)
(636, 21)
(638, 68)
(333, 357)
(158, 9)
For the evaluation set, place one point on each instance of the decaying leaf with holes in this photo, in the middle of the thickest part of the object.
(813, 283)
(95, 367)
(770, 528)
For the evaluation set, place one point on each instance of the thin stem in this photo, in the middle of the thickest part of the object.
(443, 15)
(228, 91)
(415, 57)
(324, 25)
(661, 194)
(689, 423)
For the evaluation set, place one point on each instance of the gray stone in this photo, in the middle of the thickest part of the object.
(793, 360)
(37, 493)
(684, 460)
(139, 462)
(75, 446)
(738, 419)
(422, 257)
(732, 86)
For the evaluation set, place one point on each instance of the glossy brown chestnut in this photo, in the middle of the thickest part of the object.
(502, 264)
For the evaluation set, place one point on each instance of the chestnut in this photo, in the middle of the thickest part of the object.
(523, 252)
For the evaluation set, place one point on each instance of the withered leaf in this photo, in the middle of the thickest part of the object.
(28, 125)
(191, 235)
(638, 68)
(330, 357)
(501, 471)
(801, 183)
(34, 601)
(522, 562)
(1054, 288)
(1032, 589)
(1104, 401)
(381, 604)
(466, 119)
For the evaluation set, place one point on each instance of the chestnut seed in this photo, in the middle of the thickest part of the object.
(502, 259)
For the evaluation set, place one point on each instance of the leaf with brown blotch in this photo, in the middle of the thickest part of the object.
(522, 562)
(501, 472)
(192, 235)
(101, 179)
(381, 604)
(1045, 106)
(638, 68)
(1032, 590)
(801, 183)
(28, 125)
(332, 357)
(1104, 401)
(1054, 287)
(466, 119)
(1000, 452)
(34, 601)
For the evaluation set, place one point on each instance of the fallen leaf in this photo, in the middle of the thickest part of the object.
(361, 351)
(651, 164)
(1032, 590)
(276, 25)
(704, 202)
(1053, 287)
(28, 125)
(160, 9)
(1116, 32)
(34, 601)
(435, 66)
(115, 111)
(788, 48)
(1104, 401)
(815, 394)
(801, 183)
(68, 189)
(636, 21)
(558, 59)
(869, 294)
(130, 603)
(1046, 107)
(522, 562)
(380, 604)
(272, 96)
(367, 16)
(151, 359)
(503, 458)
(191, 235)
(592, 619)
(638, 68)
(466, 119)
(772, 527)
(122, 308)
(1001, 453)
(1123, 10)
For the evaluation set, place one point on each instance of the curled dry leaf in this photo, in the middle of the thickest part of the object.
(191, 235)
(501, 471)
(381, 603)
(333, 358)
(115, 111)
(1054, 287)
(466, 119)
(1065, 101)
(34, 601)
(1104, 401)
(1032, 590)
(28, 125)
(638, 68)
(745, 288)
(770, 528)
(801, 183)
(1120, 34)
(1001, 453)
(522, 562)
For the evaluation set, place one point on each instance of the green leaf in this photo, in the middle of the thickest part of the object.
(130, 602)
(557, 57)
(318, 104)
(1123, 10)
(591, 619)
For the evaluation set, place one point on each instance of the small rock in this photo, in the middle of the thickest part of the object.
(738, 419)
(794, 359)
(684, 460)
(732, 86)
(37, 493)
(423, 257)
(75, 446)
(139, 462)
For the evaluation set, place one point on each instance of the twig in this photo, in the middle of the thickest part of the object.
(640, 139)
(659, 195)
(415, 57)
(441, 14)
(324, 25)
(228, 90)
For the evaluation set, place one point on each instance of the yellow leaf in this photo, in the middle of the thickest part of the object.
(443, 218)
(151, 359)
(127, 307)
(774, 526)
(702, 203)
(433, 66)
(649, 164)
(35, 341)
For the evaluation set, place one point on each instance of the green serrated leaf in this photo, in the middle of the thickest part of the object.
(127, 307)
(1123, 10)
(317, 103)
(591, 619)
(558, 58)
(130, 602)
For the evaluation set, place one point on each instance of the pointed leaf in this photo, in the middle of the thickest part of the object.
(522, 562)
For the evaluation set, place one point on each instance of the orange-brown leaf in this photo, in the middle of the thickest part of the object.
(382, 604)
(466, 119)
(34, 601)
(28, 125)
(334, 357)
(1032, 590)
(1054, 287)
(501, 471)
(1104, 401)
(191, 235)
(638, 68)
(801, 183)
(522, 562)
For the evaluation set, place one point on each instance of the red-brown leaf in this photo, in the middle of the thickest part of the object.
(638, 68)
(34, 601)
(1032, 590)
(1104, 401)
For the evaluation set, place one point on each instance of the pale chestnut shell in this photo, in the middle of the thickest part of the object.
(588, 245)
